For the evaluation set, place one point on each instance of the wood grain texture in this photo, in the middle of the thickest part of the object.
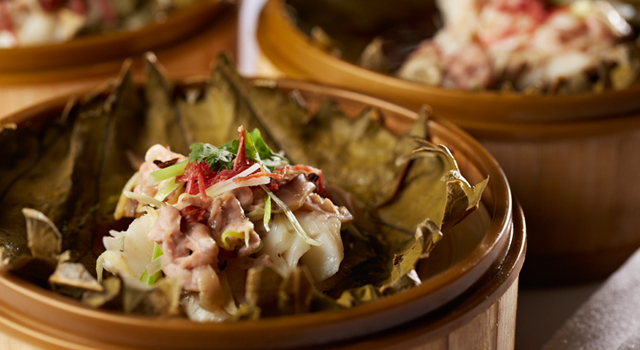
(9, 343)
(580, 197)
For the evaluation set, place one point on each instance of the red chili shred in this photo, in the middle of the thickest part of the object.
(191, 214)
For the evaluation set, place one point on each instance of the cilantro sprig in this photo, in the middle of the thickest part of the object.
(223, 156)
(216, 157)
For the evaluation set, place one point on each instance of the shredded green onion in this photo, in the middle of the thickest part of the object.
(151, 279)
(267, 212)
(144, 199)
(229, 233)
(129, 186)
(237, 181)
(166, 190)
(291, 217)
(168, 172)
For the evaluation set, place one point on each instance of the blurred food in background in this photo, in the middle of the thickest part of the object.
(530, 46)
(38, 22)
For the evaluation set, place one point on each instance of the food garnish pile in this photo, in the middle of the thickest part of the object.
(172, 201)
(524, 46)
(38, 22)
(519, 44)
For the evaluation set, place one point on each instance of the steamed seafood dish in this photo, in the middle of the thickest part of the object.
(39, 22)
(223, 200)
(211, 218)
(521, 44)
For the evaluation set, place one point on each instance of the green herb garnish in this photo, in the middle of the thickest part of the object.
(222, 157)
(216, 157)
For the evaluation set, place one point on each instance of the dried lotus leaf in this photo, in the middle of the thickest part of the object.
(366, 261)
(424, 177)
(134, 293)
(299, 295)
(407, 281)
(19, 151)
(111, 289)
(215, 294)
(627, 69)
(373, 57)
(263, 289)
(163, 300)
(122, 137)
(295, 293)
(42, 184)
(162, 122)
(74, 276)
(445, 196)
(354, 153)
(462, 200)
(264, 107)
(427, 235)
(45, 241)
(208, 119)
(359, 296)
(190, 305)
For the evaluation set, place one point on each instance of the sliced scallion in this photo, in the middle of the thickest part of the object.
(146, 277)
(267, 212)
(144, 199)
(227, 234)
(292, 218)
(168, 172)
(166, 190)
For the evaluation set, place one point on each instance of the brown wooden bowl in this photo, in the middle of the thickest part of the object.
(571, 159)
(37, 63)
(475, 292)
(292, 52)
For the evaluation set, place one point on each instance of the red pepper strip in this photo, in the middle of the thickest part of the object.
(202, 187)
(198, 175)
(5, 19)
(321, 190)
(191, 214)
(79, 7)
(107, 12)
(263, 174)
(241, 157)
(50, 5)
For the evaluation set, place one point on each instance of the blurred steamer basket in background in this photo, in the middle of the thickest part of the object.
(186, 42)
(571, 159)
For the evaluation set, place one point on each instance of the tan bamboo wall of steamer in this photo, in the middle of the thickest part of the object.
(187, 56)
(582, 201)
(494, 329)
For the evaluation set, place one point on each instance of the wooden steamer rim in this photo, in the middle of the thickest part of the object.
(486, 114)
(97, 54)
(440, 304)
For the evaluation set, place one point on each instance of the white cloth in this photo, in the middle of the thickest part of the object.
(610, 319)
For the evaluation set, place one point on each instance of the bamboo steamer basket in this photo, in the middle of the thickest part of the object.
(186, 41)
(571, 159)
(470, 303)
